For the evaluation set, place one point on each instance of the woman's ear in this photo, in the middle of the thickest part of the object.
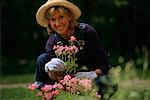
(49, 30)
(69, 19)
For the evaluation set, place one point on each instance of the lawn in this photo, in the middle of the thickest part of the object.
(17, 94)
(132, 86)
(13, 87)
(13, 79)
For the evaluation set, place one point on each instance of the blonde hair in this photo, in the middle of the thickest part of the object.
(50, 11)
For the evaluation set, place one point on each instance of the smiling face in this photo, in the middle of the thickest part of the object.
(59, 21)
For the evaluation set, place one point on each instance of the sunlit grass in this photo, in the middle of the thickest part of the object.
(133, 82)
(17, 94)
(10, 79)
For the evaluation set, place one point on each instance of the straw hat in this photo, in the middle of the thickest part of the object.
(40, 15)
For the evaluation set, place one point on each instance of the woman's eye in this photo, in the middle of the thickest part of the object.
(52, 19)
(61, 16)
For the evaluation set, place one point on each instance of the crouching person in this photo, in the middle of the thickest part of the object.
(59, 17)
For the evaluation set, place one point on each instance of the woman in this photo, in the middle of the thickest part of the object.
(60, 16)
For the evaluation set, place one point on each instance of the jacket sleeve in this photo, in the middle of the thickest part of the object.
(98, 56)
(49, 45)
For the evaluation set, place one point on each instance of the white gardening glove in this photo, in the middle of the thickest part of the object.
(90, 75)
(55, 64)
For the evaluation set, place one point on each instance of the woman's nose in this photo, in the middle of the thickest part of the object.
(57, 23)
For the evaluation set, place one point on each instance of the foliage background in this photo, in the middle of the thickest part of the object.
(123, 25)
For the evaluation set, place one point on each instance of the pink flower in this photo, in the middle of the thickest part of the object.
(49, 96)
(69, 84)
(72, 85)
(58, 86)
(86, 84)
(32, 87)
(46, 88)
(58, 49)
(61, 82)
(67, 54)
(67, 77)
(67, 49)
(56, 92)
(72, 39)
(39, 94)
(74, 49)
(74, 81)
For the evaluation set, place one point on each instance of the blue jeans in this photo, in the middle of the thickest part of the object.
(41, 75)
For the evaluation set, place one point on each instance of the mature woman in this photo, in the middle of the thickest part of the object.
(60, 16)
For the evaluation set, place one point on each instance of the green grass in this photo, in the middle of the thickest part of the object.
(17, 94)
(132, 94)
(24, 94)
(13, 79)
(131, 87)
(122, 94)
(69, 96)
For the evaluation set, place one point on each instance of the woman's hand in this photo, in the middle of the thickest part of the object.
(98, 71)
(55, 64)
(90, 75)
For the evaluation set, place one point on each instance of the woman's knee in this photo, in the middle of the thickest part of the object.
(42, 58)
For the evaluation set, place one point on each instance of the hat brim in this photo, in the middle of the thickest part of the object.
(40, 15)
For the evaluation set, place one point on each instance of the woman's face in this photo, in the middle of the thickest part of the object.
(59, 22)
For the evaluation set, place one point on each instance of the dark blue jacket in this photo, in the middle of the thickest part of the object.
(92, 55)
